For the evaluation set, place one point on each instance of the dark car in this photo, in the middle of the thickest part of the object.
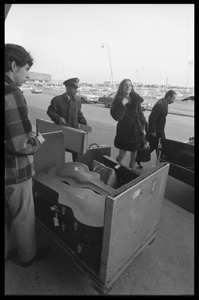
(146, 105)
(87, 98)
(107, 100)
(36, 91)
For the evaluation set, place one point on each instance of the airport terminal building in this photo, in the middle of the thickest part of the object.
(41, 77)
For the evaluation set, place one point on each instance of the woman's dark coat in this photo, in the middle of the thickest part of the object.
(131, 121)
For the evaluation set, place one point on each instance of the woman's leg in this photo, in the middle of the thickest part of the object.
(132, 159)
(120, 156)
(138, 159)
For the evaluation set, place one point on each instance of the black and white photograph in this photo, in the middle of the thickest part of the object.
(99, 149)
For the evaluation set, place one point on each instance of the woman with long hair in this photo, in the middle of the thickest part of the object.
(130, 132)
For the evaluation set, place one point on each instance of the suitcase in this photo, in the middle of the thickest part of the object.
(94, 152)
(180, 155)
(74, 139)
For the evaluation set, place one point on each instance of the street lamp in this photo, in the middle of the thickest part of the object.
(136, 76)
(62, 68)
(189, 71)
(142, 69)
(104, 44)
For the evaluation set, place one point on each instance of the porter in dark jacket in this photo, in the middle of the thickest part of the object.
(65, 109)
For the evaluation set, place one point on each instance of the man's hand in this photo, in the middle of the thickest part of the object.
(40, 138)
(33, 134)
(62, 121)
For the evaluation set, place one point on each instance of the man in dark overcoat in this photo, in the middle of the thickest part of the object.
(157, 119)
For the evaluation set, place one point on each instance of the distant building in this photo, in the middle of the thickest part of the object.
(42, 77)
(110, 85)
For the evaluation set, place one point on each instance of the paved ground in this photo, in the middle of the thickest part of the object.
(166, 267)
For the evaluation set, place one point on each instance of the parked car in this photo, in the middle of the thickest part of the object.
(87, 98)
(36, 91)
(107, 100)
(146, 105)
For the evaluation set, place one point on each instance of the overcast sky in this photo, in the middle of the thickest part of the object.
(146, 42)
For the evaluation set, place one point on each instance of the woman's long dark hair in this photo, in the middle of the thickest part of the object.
(133, 95)
(119, 91)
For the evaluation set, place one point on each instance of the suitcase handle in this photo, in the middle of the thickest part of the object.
(93, 146)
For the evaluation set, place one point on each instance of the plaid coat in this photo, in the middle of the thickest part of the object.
(20, 144)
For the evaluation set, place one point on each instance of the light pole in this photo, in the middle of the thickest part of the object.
(189, 71)
(104, 44)
(136, 76)
(62, 68)
(159, 79)
(140, 74)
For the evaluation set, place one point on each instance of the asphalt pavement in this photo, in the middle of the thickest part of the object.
(166, 267)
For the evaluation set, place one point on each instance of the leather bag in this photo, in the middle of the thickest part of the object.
(145, 153)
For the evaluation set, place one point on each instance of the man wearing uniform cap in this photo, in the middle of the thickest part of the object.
(65, 109)
(71, 81)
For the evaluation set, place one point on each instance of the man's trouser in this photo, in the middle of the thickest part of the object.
(153, 142)
(20, 220)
